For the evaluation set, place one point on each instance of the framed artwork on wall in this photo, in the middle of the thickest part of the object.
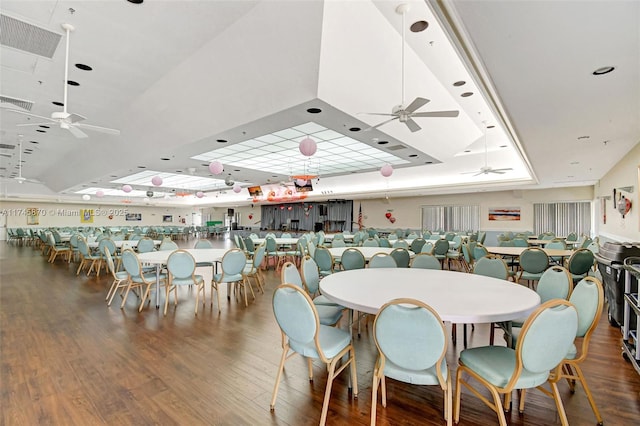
(33, 216)
(167, 218)
(504, 213)
(133, 216)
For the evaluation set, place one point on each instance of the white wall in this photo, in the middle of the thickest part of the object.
(53, 214)
(624, 174)
(407, 210)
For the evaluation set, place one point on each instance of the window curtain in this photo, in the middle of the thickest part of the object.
(450, 218)
(338, 214)
(562, 218)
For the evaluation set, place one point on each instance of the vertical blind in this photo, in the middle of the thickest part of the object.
(450, 218)
(562, 218)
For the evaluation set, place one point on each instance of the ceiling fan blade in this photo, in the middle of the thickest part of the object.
(74, 118)
(76, 132)
(378, 113)
(412, 125)
(436, 114)
(97, 128)
(416, 104)
(380, 124)
(34, 124)
(17, 111)
(501, 170)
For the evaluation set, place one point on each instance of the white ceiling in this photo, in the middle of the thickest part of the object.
(176, 77)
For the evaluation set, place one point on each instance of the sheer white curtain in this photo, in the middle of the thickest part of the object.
(451, 218)
(562, 218)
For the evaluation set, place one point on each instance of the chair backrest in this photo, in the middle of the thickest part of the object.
(352, 258)
(457, 240)
(370, 242)
(520, 242)
(401, 256)
(382, 260)
(441, 247)
(310, 275)
(203, 244)
(285, 235)
(297, 318)
(106, 242)
(83, 248)
(411, 335)
(168, 245)
(110, 265)
(311, 248)
(270, 242)
(426, 248)
(233, 262)
(586, 242)
(181, 264)
(546, 337)
(466, 253)
(588, 298)
(249, 245)
(258, 255)
(572, 236)
(491, 266)
(555, 283)
(338, 242)
(534, 260)
(400, 243)
(417, 244)
(145, 245)
(479, 251)
(384, 242)
(289, 274)
(581, 261)
(425, 261)
(556, 244)
(131, 263)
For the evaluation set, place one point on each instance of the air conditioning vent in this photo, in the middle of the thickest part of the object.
(396, 147)
(6, 146)
(28, 37)
(20, 103)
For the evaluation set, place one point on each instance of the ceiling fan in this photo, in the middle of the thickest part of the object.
(486, 169)
(64, 119)
(20, 178)
(406, 114)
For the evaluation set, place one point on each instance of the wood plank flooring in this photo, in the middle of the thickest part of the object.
(68, 359)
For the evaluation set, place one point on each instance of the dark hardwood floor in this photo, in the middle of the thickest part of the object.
(68, 359)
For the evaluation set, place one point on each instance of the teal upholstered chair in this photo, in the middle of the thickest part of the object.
(533, 262)
(400, 243)
(402, 257)
(119, 278)
(145, 245)
(138, 278)
(417, 244)
(168, 245)
(232, 266)
(425, 261)
(370, 242)
(412, 345)
(181, 267)
(252, 268)
(324, 260)
(580, 263)
(311, 280)
(302, 333)
(544, 342)
(440, 250)
(352, 258)
(426, 248)
(384, 242)
(329, 314)
(382, 260)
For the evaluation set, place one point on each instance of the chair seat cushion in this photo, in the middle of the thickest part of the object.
(322, 300)
(151, 276)
(188, 281)
(421, 377)
(332, 341)
(530, 276)
(227, 278)
(122, 275)
(496, 365)
(329, 315)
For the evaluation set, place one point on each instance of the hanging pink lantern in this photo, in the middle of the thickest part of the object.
(386, 170)
(199, 194)
(156, 180)
(216, 167)
(301, 182)
(127, 188)
(99, 193)
(289, 208)
(237, 188)
(308, 146)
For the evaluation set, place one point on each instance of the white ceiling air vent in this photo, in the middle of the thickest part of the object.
(396, 147)
(20, 103)
(28, 37)
(6, 146)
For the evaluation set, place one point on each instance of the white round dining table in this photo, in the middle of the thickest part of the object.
(367, 252)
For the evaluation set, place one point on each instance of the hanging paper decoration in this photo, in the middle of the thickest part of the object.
(237, 188)
(216, 167)
(199, 194)
(387, 215)
(308, 147)
(99, 193)
(127, 188)
(386, 170)
(156, 180)
(250, 216)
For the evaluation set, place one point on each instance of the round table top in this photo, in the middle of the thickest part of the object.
(122, 244)
(367, 252)
(456, 296)
(517, 251)
(279, 241)
(200, 255)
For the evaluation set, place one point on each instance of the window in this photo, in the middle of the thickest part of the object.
(450, 218)
(562, 218)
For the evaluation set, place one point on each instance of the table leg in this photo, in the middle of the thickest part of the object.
(158, 286)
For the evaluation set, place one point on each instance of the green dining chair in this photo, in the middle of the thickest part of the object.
(401, 256)
(382, 260)
(425, 261)
(181, 267)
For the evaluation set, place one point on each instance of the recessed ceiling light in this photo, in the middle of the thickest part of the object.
(419, 26)
(467, 150)
(314, 110)
(466, 94)
(41, 131)
(491, 126)
(142, 167)
(57, 103)
(221, 141)
(84, 67)
(236, 170)
(73, 83)
(135, 1)
(603, 70)
(354, 129)
(178, 171)
(583, 137)
(428, 162)
(574, 162)
(383, 142)
(44, 127)
(503, 146)
(413, 155)
(165, 158)
(459, 83)
(34, 142)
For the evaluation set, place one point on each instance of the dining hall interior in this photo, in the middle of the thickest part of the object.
(213, 127)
